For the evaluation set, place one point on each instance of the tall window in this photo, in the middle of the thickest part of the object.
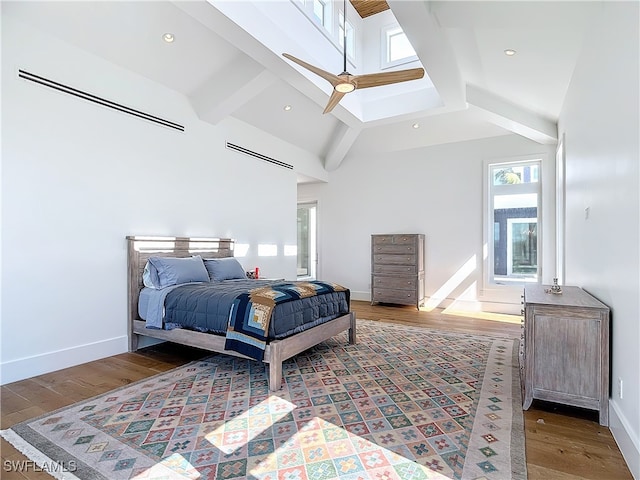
(513, 222)
(307, 240)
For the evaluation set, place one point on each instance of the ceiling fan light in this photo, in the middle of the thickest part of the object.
(344, 87)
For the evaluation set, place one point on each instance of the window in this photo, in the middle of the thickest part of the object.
(307, 238)
(396, 48)
(513, 222)
(329, 21)
(350, 35)
(322, 12)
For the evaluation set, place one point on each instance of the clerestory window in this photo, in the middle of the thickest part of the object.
(322, 13)
(396, 48)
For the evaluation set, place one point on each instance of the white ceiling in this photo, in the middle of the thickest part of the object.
(481, 92)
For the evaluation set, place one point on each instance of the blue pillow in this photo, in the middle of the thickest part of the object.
(174, 271)
(227, 268)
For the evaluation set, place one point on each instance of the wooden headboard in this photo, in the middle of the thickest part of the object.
(140, 248)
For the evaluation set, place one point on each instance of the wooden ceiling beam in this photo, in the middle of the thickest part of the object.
(366, 8)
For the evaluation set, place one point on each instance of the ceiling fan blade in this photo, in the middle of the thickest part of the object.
(330, 77)
(387, 78)
(334, 99)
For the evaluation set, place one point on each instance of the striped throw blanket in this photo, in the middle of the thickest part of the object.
(251, 312)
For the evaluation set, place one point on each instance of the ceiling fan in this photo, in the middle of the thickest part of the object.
(345, 82)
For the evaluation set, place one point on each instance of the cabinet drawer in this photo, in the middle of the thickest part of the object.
(395, 282)
(389, 259)
(404, 239)
(394, 249)
(381, 268)
(403, 297)
(394, 239)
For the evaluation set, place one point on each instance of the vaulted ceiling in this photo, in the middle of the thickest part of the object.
(227, 60)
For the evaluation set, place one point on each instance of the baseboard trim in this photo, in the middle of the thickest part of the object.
(362, 296)
(462, 305)
(479, 306)
(628, 443)
(27, 367)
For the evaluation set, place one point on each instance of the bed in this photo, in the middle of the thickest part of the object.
(276, 350)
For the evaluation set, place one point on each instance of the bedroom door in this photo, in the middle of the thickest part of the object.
(307, 240)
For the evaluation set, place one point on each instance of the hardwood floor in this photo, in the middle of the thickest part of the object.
(561, 442)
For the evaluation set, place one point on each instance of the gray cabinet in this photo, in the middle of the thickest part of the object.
(566, 349)
(397, 269)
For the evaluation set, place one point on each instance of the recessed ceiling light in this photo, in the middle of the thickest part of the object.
(287, 108)
(416, 125)
(168, 37)
(509, 52)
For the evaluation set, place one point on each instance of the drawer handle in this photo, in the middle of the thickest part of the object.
(408, 294)
(522, 311)
(408, 258)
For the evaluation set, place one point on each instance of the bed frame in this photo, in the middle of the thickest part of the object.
(140, 248)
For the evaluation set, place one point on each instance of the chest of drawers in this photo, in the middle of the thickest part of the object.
(566, 349)
(397, 269)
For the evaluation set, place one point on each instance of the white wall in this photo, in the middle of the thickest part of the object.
(77, 178)
(437, 191)
(600, 122)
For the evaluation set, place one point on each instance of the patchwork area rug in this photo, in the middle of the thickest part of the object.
(404, 403)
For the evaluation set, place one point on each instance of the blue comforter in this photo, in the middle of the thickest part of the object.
(206, 306)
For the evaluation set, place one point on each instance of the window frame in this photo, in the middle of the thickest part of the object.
(385, 35)
(509, 286)
(560, 211)
(327, 13)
